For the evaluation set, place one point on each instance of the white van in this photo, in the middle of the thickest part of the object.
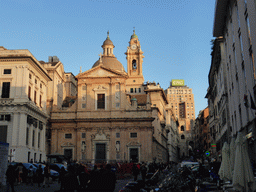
(188, 164)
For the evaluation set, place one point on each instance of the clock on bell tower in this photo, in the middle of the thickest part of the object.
(134, 60)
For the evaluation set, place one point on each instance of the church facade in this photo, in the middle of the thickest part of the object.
(115, 116)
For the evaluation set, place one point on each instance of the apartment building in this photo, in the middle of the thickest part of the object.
(235, 22)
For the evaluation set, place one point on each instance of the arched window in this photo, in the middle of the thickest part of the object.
(134, 64)
(182, 136)
(182, 128)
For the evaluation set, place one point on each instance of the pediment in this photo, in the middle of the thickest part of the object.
(100, 71)
(100, 135)
(133, 143)
(67, 144)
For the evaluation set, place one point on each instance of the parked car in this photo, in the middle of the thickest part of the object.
(57, 167)
(26, 166)
(54, 174)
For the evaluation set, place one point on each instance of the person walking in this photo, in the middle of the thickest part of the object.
(94, 179)
(39, 175)
(10, 178)
(24, 175)
(30, 175)
(108, 180)
(61, 177)
(70, 182)
(19, 170)
(135, 171)
(143, 171)
(46, 176)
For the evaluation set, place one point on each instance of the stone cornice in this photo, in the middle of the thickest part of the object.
(29, 59)
(147, 119)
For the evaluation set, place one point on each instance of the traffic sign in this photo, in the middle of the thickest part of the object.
(207, 153)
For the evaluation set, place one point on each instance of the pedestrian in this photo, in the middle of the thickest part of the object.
(24, 175)
(83, 177)
(61, 176)
(10, 178)
(46, 176)
(70, 182)
(143, 171)
(135, 171)
(39, 175)
(30, 175)
(94, 179)
(19, 170)
(108, 180)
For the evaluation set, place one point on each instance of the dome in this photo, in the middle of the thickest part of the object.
(110, 63)
(134, 35)
(108, 42)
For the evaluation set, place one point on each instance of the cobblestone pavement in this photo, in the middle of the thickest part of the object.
(55, 186)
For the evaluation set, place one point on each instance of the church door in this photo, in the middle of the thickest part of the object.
(100, 152)
(134, 155)
(68, 153)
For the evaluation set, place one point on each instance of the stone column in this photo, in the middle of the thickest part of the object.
(22, 129)
(14, 132)
(90, 100)
(43, 142)
(36, 136)
(112, 93)
(122, 96)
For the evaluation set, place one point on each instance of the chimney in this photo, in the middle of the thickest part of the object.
(50, 59)
(55, 59)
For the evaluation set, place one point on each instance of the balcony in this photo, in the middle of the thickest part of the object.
(6, 101)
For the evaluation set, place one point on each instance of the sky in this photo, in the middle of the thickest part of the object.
(174, 35)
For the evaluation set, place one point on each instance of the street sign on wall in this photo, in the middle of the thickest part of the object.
(178, 82)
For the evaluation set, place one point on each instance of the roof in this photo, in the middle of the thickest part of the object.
(110, 62)
(108, 42)
(141, 99)
(134, 35)
(219, 17)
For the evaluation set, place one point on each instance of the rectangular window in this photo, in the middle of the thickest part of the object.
(133, 135)
(117, 86)
(131, 90)
(68, 136)
(35, 97)
(40, 101)
(3, 134)
(41, 86)
(101, 101)
(117, 135)
(33, 138)
(38, 139)
(28, 156)
(7, 71)
(30, 76)
(29, 92)
(117, 105)
(35, 81)
(135, 90)
(83, 135)
(6, 90)
(139, 90)
(27, 136)
(83, 105)
(182, 110)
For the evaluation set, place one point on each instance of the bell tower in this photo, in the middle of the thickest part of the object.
(134, 60)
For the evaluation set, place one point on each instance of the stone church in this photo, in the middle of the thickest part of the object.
(115, 116)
